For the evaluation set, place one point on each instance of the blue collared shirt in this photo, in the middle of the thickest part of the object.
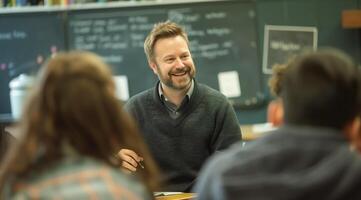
(172, 109)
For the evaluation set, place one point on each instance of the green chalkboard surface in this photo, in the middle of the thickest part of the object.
(222, 36)
(26, 40)
(223, 40)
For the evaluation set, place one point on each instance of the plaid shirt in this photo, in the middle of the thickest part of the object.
(80, 178)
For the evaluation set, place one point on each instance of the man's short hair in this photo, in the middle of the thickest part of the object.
(321, 89)
(275, 82)
(162, 30)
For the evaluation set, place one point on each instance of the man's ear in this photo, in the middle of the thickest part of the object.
(275, 112)
(352, 129)
(153, 66)
(353, 132)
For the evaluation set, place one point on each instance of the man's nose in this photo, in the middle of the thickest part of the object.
(179, 63)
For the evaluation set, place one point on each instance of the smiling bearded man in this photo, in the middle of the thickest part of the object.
(183, 122)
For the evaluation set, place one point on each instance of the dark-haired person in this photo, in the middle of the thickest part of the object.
(184, 122)
(309, 156)
(72, 128)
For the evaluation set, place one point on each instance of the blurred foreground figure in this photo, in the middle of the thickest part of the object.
(309, 156)
(72, 128)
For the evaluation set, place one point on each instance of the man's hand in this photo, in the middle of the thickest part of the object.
(130, 160)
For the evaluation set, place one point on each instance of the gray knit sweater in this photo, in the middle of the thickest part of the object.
(180, 146)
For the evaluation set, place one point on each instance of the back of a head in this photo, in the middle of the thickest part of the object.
(75, 102)
(63, 110)
(73, 107)
(321, 89)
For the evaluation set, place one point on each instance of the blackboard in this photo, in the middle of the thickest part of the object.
(26, 40)
(283, 42)
(223, 38)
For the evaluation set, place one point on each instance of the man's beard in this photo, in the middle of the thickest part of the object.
(177, 85)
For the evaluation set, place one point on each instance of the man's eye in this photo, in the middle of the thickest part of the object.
(185, 56)
(169, 60)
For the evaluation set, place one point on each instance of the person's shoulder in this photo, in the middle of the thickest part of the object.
(218, 165)
(227, 158)
(119, 178)
(210, 182)
(243, 156)
(242, 151)
(128, 182)
(125, 182)
(77, 169)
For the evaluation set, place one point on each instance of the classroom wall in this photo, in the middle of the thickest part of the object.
(323, 14)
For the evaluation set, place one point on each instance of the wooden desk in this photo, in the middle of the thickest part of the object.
(254, 131)
(182, 196)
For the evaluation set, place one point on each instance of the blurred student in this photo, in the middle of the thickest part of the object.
(72, 128)
(184, 122)
(309, 157)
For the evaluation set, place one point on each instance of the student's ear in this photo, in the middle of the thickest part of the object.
(353, 133)
(153, 66)
(275, 112)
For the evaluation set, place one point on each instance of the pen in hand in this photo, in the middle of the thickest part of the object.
(141, 164)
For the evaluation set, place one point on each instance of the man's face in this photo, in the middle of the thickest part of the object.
(173, 63)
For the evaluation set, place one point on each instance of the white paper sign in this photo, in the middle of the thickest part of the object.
(229, 83)
(121, 87)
